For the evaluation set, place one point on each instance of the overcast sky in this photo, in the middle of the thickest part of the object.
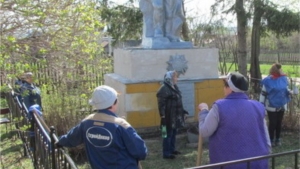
(204, 5)
(192, 6)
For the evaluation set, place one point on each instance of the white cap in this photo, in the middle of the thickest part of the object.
(103, 97)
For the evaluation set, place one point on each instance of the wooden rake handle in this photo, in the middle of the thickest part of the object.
(199, 155)
(140, 165)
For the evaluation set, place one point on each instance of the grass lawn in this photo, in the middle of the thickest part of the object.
(290, 70)
(12, 152)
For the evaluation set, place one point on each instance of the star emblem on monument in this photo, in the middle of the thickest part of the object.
(178, 63)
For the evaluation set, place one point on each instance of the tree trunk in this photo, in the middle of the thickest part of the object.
(255, 46)
(185, 27)
(242, 31)
(185, 31)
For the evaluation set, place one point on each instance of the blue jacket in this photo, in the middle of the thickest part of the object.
(31, 95)
(110, 141)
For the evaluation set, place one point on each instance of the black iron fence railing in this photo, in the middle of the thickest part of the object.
(37, 138)
(248, 161)
(287, 58)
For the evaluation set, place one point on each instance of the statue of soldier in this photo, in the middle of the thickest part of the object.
(163, 18)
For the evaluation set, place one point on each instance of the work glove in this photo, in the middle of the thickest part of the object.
(57, 145)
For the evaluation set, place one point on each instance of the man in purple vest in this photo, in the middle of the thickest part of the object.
(236, 126)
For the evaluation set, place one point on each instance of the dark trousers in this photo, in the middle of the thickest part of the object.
(275, 120)
(169, 142)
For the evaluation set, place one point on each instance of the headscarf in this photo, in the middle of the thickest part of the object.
(168, 78)
(237, 82)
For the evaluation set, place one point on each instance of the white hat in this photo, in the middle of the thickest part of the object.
(103, 97)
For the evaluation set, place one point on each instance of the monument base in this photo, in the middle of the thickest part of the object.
(138, 74)
(164, 43)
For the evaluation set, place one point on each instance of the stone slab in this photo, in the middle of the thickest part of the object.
(188, 95)
(138, 64)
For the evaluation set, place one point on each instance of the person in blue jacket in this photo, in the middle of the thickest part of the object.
(30, 93)
(110, 141)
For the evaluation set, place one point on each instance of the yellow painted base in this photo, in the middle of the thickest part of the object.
(141, 101)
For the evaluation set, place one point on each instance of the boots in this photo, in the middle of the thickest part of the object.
(276, 142)
(273, 143)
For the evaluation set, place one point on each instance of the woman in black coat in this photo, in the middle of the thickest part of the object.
(171, 112)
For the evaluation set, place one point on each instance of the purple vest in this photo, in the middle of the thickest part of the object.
(240, 133)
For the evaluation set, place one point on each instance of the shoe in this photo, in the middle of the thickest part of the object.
(176, 153)
(169, 157)
(273, 143)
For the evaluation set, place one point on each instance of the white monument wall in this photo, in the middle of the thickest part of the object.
(138, 64)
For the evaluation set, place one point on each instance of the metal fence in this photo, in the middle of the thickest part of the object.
(289, 58)
(71, 74)
(93, 72)
(37, 138)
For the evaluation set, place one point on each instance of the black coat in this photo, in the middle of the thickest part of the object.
(170, 105)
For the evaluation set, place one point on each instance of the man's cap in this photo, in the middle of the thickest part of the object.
(28, 74)
(103, 97)
(237, 82)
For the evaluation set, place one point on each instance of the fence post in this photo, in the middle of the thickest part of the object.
(52, 132)
(32, 137)
(296, 160)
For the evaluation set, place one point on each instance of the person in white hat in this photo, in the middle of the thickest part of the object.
(236, 126)
(110, 141)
